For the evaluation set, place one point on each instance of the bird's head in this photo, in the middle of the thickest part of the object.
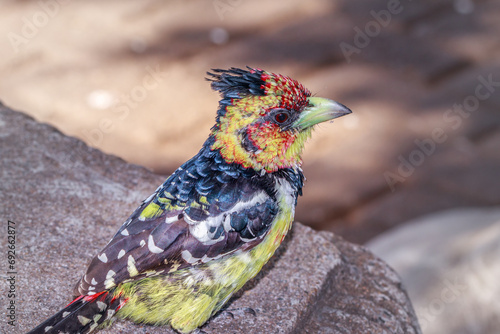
(265, 118)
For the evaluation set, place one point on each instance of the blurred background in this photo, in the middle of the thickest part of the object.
(422, 79)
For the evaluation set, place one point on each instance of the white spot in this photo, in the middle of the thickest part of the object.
(92, 327)
(48, 328)
(83, 320)
(124, 232)
(65, 314)
(103, 257)
(206, 259)
(201, 232)
(151, 273)
(188, 257)
(110, 314)
(121, 253)
(142, 243)
(94, 282)
(285, 192)
(102, 306)
(110, 274)
(152, 247)
(227, 223)
(248, 240)
(100, 99)
(97, 317)
(170, 220)
(90, 293)
(91, 288)
(131, 268)
(109, 283)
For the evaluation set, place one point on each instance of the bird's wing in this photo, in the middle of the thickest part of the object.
(193, 218)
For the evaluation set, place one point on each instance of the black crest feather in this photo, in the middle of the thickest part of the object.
(235, 83)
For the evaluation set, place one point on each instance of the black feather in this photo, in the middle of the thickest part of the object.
(235, 83)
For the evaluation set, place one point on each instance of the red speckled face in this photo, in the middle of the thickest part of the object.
(256, 130)
(265, 118)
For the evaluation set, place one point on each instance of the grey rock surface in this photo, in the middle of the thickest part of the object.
(449, 262)
(68, 199)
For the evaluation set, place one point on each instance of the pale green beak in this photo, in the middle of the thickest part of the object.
(319, 110)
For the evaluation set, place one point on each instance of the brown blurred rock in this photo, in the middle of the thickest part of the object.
(67, 200)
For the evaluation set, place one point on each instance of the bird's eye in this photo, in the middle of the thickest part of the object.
(281, 117)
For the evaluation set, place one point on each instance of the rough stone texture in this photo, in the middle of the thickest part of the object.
(341, 312)
(449, 262)
(67, 200)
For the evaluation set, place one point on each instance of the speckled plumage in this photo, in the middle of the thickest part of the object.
(213, 224)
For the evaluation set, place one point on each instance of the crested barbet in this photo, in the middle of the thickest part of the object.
(215, 221)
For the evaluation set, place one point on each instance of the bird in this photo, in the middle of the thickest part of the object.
(215, 221)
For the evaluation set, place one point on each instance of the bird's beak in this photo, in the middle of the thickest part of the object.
(319, 110)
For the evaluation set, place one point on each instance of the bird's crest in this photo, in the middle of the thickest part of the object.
(236, 82)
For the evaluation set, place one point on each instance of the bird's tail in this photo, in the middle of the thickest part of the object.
(82, 315)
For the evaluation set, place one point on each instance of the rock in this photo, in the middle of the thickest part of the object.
(449, 262)
(67, 199)
(362, 295)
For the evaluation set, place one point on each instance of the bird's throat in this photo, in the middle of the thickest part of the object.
(262, 148)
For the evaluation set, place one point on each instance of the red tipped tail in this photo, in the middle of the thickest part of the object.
(82, 315)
